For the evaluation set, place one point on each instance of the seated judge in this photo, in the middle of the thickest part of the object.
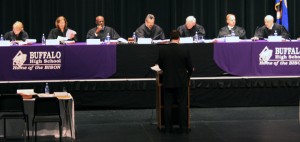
(100, 31)
(61, 29)
(190, 28)
(269, 29)
(231, 27)
(149, 29)
(17, 34)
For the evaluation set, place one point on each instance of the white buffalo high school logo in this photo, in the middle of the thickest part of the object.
(265, 55)
(19, 59)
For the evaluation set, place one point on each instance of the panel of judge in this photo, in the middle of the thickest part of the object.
(149, 29)
(269, 29)
(61, 29)
(101, 31)
(190, 28)
(17, 34)
(231, 28)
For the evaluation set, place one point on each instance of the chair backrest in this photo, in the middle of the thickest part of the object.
(46, 106)
(11, 103)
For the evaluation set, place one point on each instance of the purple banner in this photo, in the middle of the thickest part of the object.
(37, 62)
(258, 58)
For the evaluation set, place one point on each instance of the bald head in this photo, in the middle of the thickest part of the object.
(269, 21)
(230, 19)
(100, 21)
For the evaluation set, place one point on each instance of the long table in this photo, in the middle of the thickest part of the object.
(80, 61)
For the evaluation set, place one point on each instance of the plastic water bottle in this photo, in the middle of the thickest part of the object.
(64, 89)
(1, 37)
(43, 40)
(47, 89)
(134, 37)
(232, 33)
(275, 33)
(196, 38)
(107, 39)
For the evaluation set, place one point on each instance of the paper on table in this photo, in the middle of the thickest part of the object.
(26, 91)
(60, 38)
(46, 95)
(156, 68)
(61, 94)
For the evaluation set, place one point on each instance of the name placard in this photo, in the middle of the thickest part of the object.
(232, 39)
(274, 38)
(93, 41)
(144, 40)
(52, 42)
(186, 40)
(4, 43)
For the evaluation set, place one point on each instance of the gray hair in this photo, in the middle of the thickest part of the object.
(269, 18)
(190, 19)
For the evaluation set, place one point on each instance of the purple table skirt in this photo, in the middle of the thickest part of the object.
(61, 62)
(258, 58)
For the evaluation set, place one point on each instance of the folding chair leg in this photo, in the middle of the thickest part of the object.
(4, 133)
(60, 132)
(27, 126)
(35, 131)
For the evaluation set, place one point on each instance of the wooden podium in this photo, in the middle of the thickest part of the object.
(160, 105)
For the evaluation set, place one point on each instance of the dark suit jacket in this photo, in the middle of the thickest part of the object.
(23, 35)
(54, 33)
(176, 64)
(264, 32)
(184, 32)
(103, 33)
(155, 33)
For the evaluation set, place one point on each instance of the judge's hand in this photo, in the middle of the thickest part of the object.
(255, 38)
(99, 28)
(72, 35)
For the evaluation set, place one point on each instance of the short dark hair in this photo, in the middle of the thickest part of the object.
(174, 35)
(150, 16)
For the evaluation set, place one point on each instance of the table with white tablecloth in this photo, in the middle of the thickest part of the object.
(15, 128)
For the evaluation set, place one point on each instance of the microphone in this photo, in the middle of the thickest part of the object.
(256, 37)
(199, 33)
(256, 30)
(157, 35)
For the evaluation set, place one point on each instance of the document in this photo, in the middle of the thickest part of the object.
(156, 68)
(70, 32)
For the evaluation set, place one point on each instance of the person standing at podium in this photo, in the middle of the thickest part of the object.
(176, 65)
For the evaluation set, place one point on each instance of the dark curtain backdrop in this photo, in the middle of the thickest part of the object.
(125, 16)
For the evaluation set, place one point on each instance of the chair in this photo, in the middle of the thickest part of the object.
(12, 107)
(47, 110)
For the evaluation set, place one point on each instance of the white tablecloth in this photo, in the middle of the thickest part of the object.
(16, 127)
